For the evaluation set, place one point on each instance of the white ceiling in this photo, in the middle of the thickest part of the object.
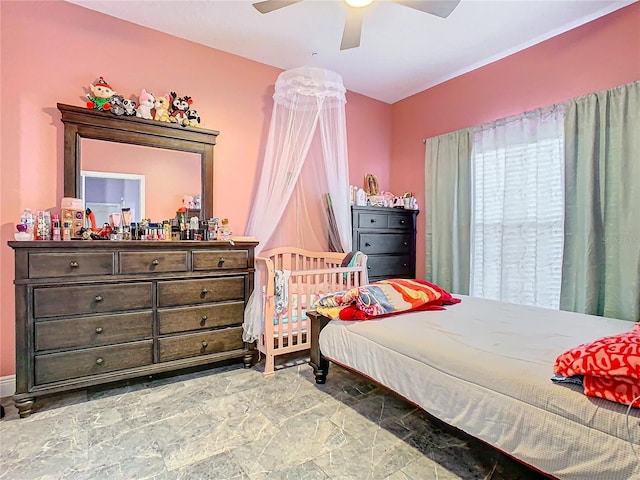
(402, 51)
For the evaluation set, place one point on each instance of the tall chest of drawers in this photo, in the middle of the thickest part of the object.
(93, 312)
(388, 237)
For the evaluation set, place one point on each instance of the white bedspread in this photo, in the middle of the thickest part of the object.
(485, 367)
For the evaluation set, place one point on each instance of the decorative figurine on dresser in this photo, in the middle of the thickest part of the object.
(388, 237)
(90, 312)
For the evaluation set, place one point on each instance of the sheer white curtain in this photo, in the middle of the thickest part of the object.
(518, 208)
(307, 132)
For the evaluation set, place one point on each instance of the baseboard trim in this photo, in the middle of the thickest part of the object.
(7, 386)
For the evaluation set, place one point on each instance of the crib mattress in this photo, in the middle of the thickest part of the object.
(485, 367)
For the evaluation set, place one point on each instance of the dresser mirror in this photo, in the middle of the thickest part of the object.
(181, 158)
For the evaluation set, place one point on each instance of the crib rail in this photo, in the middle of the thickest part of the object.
(309, 276)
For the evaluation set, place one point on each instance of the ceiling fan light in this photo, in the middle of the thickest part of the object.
(358, 3)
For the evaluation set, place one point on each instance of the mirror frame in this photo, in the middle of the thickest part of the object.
(82, 122)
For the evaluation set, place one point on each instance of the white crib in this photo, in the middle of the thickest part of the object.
(293, 280)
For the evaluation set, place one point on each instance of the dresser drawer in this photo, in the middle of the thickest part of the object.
(202, 290)
(84, 299)
(389, 266)
(372, 220)
(191, 345)
(401, 221)
(150, 262)
(174, 320)
(91, 331)
(372, 243)
(43, 265)
(220, 259)
(92, 361)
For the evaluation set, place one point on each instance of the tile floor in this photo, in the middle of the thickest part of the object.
(232, 423)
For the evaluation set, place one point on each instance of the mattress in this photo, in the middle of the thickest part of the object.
(485, 367)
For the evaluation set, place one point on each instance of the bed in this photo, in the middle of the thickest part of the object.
(294, 279)
(485, 367)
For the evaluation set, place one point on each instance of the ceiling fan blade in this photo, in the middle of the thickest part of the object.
(439, 8)
(352, 29)
(270, 5)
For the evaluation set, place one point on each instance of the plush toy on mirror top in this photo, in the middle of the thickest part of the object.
(162, 106)
(100, 96)
(179, 108)
(122, 106)
(193, 118)
(146, 103)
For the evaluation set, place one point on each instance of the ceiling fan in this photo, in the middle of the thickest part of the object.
(353, 24)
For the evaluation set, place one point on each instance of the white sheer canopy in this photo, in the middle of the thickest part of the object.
(305, 159)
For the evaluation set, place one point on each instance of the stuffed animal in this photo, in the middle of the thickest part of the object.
(187, 201)
(146, 103)
(100, 96)
(179, 108)
(162, 106)
(117, 105)
(193, 118)
(129, 106)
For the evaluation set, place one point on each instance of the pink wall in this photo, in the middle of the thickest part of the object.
(596, 56)
(52, 50)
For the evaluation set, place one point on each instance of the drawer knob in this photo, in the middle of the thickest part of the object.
(99, 361)
(205, 344)
(99, 330)
(368, 267)
(367, 244)
(155, 262)
(99, 298)
(204, 291)
(74, 264)
(221, 261)
(203, 319)
(402, 222)
(373, 220)
(404, 264)
(405, 243)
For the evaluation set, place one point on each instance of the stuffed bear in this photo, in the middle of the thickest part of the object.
(193, 118)
(100, 96)
(146, 103)
(162, 105)
(129, 106)
(179, 108)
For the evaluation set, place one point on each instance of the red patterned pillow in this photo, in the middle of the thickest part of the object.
(610, 365)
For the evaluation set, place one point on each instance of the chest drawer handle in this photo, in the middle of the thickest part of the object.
(99, 361)
(405, 243)
(404, 264)
(74, 264)
(99, 330)
(367, 244)
(368, 267)
(373, 220)
(203, 319)
(155, 262)
(99, 298)
(221, 261)
(204, 291)
(205, 344)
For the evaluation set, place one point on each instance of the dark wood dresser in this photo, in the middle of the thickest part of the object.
(92, 312)
(388, 237)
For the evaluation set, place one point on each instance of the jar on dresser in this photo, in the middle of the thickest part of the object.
(93, 312)
(388, 237)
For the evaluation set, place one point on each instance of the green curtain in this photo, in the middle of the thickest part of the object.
(601, 265)
(448, 210)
